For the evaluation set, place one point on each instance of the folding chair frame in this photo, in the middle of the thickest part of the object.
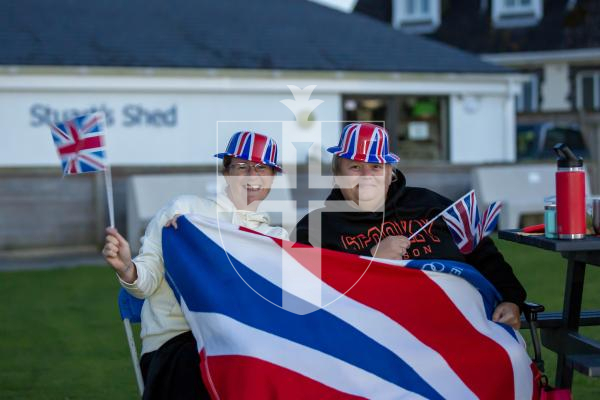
(130, 309)
(530, 312)
(134, 355)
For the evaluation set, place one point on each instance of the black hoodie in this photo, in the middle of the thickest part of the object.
(406, 210)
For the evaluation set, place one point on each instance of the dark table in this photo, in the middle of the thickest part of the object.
(561, 335)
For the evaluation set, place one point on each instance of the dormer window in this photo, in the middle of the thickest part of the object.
(528, 99)
(516, 13)
(588, 91)
(416, 16)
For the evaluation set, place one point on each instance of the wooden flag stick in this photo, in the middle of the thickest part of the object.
(437, 216)
(109, 195)
(108, 176)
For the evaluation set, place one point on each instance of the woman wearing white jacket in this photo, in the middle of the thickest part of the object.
(170, 360)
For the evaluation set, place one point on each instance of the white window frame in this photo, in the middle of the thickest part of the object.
(518, 15)
(595, 75)
(535, 93)
(417, 22)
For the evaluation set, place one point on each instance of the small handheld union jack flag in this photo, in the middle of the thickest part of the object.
(462, 219)
(490, 219)
(80, 143)
(80, 146)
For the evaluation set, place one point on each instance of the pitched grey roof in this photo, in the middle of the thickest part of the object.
(246, 34)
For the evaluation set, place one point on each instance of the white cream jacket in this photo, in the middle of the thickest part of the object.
(162, 318)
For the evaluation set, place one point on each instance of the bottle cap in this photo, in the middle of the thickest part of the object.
(566, 158)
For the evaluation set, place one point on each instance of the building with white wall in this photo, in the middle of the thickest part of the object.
(473, 114)
(168, 75)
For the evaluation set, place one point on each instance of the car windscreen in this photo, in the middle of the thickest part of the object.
(570, 137)
(527, 142)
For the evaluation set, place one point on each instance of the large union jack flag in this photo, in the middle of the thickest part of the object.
(364, 337)
(463, 221)
(80, 143)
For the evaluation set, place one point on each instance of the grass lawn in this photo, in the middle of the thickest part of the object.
(61, 336)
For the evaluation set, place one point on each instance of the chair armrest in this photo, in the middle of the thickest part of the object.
(530, 310)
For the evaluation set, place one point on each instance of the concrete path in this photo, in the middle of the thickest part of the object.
(51, 258)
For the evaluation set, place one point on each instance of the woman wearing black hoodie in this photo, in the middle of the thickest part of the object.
(371, 212)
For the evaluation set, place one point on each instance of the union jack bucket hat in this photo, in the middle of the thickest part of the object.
(366, 143)
(252, 146)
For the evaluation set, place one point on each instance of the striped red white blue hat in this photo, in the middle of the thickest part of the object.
(366, 143)
(252, 146)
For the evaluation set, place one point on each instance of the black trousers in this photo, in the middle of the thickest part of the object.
(173, 371)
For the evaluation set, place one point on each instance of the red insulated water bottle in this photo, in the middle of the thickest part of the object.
(570, 194)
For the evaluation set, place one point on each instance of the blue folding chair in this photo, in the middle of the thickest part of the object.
(131, 311)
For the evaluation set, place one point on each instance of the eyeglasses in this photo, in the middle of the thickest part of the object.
(244, 169)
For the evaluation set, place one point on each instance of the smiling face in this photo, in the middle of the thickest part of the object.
(248, 182)
(365, 184)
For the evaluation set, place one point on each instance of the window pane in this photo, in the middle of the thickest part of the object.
(509, 3)
(420, 130)
(365, 109)
(597, 91)
(519, 102)
(527, 96)
(527, 139)
(527, 100)
(525, 2)
(424, 6)
(417, 125)
(570, 137)
(410, 7)
(587, 84)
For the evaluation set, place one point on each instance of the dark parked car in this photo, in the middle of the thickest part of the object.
(535, 141)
